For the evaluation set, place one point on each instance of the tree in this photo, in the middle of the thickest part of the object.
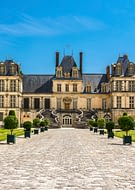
(36, 122)
(101, 123)
(46, 122)
(27, 125)
(126, 123)
(12, 112)
(11, 122)
(110, 125)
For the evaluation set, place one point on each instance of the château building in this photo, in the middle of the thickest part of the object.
(68, 97)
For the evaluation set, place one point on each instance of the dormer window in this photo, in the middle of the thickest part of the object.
(131, 69)
(59, 72)
(118, 69)
(88, 88)
(12, 69)
(2, 69)
(74, 72)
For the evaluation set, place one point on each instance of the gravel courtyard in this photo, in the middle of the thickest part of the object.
(67, 159)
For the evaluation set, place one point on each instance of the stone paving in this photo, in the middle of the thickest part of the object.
(67, 159)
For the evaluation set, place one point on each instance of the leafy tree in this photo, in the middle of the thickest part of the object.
(126, 123)
(27, 125)
(36, 122)
(90, 122)
(101, 123)
(11, 122)
(12, 112)
(46, 121)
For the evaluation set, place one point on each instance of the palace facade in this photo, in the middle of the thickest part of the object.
(69, 97)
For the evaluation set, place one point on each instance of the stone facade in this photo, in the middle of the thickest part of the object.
(69, 97)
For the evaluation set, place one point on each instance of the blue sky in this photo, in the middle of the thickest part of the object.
(31, 31)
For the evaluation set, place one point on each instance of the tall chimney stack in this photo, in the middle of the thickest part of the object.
(108, 72)
(81, 59)
(57, 59)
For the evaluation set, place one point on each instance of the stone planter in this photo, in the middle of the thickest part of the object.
(46, 128)
(95, 130)
(27, 134)
(127, 139)
(36, 131)
(42, 129)
(101, 131)
(91, 128)
(11, 139)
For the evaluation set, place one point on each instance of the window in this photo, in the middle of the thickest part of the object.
(12, 101)
(131, 86)
(12, 69)
(118, 69)
(59, 73)
(26, 103)
(118, 102)
(75, 73)
(2, 69)
(131, 102)
(1, 116)
(58, 87)
(1, 85)
(13, 85)
(74, 103)
(47, 103)
(58, 103)
(36, 103)
(67, 87)
(130, 69)
(74, 87)
(88, 88)
(104, 104)
(1, 101)
(88, 104)
(118, 85)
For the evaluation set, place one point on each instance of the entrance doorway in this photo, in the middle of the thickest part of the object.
(67, 106)
(67, 120)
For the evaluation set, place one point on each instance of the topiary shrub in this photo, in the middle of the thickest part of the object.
(27, 125)
(36, 122)
(126, 123)
(11, 122)
(101, 123)
(12, 112)
(110, 125)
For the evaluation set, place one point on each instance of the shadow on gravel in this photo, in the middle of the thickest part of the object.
(3, 143)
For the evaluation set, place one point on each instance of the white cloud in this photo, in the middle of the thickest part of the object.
(50, 26)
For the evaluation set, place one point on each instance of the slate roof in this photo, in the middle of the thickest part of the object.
(43, 83)
(95, 80)
(67, 63)
(37, 83)
(124, 61)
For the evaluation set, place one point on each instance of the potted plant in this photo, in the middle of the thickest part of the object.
(110, 126)
(95, 126)
(126, 123)
(27, 128)
(90, 123)
(36, 124)
(101, 125)
(42, 126)
(11, 123)
(47, 122)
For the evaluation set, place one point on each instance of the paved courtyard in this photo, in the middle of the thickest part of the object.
(67, 159)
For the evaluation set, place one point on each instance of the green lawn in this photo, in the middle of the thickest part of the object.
(121, 133)
(4, 132)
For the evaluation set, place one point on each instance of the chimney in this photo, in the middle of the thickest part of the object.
(57, 59)
(81, 57)
(108, 72)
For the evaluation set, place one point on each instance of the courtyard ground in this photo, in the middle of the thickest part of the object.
(67, 159)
